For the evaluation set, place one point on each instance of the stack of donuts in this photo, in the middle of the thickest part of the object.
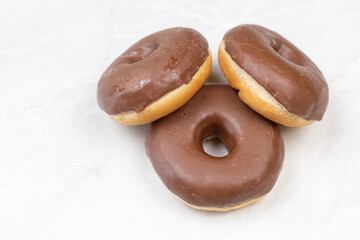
(160, 79)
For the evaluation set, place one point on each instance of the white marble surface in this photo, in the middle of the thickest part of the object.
(69, 172)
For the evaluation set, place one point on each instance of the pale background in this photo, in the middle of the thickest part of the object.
(68, 172)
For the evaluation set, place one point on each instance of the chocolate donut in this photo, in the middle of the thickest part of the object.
(155, 76)
(245, 175)
(273, 77)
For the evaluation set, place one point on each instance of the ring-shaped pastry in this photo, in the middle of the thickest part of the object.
(273, 76)
(244, 176)
(155, 76)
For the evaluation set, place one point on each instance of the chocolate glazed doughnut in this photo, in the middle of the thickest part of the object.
(244, 176)
(155, 76)
(273, 77)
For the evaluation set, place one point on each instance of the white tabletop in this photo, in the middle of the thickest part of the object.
(67, 171)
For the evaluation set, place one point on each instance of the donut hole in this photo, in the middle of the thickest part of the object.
(285, 52)
(214, 146)
(142, 52)
(213, 135)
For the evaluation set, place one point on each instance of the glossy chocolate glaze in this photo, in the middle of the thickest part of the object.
(250, 170)
(152, 67)
(281, 68)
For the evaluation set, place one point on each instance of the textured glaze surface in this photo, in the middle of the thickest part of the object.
(68, 172)
(249, 171)
(152, 67)
(281, 68)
